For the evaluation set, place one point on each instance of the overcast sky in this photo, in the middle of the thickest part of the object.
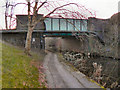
(104, 8)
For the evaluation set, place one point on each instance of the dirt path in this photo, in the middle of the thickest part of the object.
(59, 76)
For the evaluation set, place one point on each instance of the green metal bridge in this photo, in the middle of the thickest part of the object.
(59, 27)
(59, 24)
(64, 27)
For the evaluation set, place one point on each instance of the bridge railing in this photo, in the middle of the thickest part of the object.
(59, 24)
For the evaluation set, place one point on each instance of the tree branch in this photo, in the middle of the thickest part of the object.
(41, 5)
(58, 8)
(29, 17)
(34, 13)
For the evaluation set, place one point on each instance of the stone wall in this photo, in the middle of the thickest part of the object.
(22, 22)
(67, 43)
(19, 39)
(71, 43)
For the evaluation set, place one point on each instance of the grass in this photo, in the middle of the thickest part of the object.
(0, 66)
(20, 70)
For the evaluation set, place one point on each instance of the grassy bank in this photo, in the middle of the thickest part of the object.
(20, 70)
(0, 66)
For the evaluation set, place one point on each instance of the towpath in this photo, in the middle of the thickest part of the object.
(60, 76)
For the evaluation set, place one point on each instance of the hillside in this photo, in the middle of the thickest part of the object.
(19, 70)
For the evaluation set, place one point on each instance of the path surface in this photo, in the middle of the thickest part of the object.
(60, 76)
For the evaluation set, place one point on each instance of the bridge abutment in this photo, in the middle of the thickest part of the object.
(19, 39)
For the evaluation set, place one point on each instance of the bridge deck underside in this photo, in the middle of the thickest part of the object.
(64, 33)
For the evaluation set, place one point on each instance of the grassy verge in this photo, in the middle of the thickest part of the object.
(0, 66)
(20, 70)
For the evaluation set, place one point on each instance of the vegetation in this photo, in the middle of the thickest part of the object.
(0, 66)
(20, 70)
(94, 67)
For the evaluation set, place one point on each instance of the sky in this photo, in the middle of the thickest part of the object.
(104, 8)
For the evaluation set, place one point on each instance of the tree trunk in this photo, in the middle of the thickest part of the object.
(28, 41)
(6, 25)
(6, 13)
(29, 33)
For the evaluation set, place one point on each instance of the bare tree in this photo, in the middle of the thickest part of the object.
(54, 9)
(6, 13)
(9, 9)
(57, 10)
(9, 13)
